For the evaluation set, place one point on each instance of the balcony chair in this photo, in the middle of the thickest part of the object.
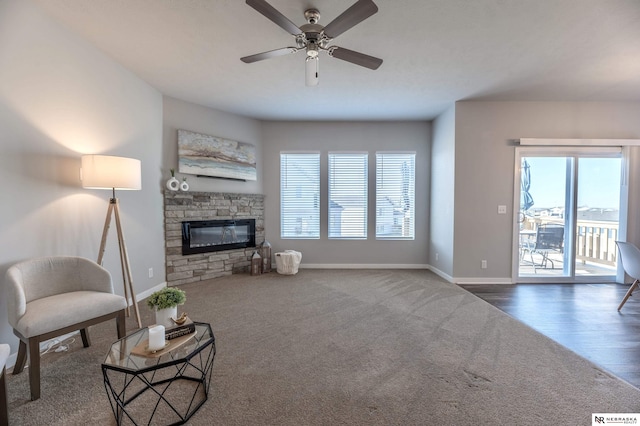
(549, 239)
(4, 406)
(630, 258)
(52, 296)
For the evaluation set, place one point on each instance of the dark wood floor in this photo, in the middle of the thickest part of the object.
(582, 317)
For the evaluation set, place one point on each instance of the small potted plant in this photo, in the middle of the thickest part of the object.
(165, 303)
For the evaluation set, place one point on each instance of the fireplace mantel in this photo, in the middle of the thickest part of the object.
(192, 206)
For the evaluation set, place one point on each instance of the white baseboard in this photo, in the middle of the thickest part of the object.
(441, 274)
(362, 266)
(471, 280)
(449, 278)
(483, 281)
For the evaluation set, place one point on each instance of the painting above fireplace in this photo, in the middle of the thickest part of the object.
(213, 156)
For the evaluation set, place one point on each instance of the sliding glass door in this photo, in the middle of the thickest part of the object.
(597, 216)
(568, 204)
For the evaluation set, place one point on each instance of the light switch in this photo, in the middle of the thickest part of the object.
(502, 209)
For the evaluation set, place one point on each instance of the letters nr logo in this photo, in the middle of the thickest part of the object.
(598, 419)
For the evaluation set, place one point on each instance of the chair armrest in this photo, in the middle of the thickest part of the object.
(94, 277)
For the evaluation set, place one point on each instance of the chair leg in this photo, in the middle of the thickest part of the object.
(34, 368)
(86, 340)
(21, 358)
(4, 407)
(121, 324)
(629, 293)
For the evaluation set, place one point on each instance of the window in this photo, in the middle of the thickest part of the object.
(300, 195)
(395, 195)
(348, 195)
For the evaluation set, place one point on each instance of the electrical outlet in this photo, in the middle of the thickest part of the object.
(483, 264)
(502, 209)
(150, 272)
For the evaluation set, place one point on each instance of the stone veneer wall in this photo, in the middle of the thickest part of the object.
(181, 206)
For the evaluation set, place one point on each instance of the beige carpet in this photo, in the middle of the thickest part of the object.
(350, 347)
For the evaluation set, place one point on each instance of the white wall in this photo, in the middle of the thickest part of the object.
(61, 98)
(349, 136)
(485, 135)
(443, 175)
(180, 115)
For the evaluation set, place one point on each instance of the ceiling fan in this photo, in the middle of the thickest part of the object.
(314, 38)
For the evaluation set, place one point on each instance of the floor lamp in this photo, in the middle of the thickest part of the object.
(107, 172)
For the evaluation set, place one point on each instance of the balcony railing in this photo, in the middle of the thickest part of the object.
(595, 242)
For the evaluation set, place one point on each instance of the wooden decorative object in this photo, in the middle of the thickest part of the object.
(142, 348)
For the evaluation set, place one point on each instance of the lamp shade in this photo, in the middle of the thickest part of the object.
(108, 172)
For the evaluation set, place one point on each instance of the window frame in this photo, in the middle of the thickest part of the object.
(351, 174)
(288, 203)
(379, 209)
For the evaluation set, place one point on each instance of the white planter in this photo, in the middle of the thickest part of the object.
(184, 186)
(173, 184)
(163, 316)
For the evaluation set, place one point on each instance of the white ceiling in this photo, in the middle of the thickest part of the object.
(435, 52)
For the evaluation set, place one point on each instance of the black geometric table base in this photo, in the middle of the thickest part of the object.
(159, 391)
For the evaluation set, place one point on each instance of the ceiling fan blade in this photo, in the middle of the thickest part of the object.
(355, 57)
(267, 55)
(357, 13)
(272, 13)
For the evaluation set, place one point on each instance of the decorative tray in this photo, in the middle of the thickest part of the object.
(142, 348)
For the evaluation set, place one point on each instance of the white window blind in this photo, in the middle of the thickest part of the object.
(348, 195)
(300, 195)
(395, 195)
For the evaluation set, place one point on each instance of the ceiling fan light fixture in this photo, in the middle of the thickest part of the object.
(312, 50)
(311, 71)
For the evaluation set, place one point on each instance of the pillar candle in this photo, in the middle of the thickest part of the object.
(156, 337)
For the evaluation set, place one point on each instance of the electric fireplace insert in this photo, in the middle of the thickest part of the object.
(203, 236)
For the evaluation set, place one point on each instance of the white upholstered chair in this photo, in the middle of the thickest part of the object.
(4, 407)
(52, 296)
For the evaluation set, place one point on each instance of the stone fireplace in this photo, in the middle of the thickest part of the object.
(225, 248)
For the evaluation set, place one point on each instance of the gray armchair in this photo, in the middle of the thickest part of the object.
(52, 296)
